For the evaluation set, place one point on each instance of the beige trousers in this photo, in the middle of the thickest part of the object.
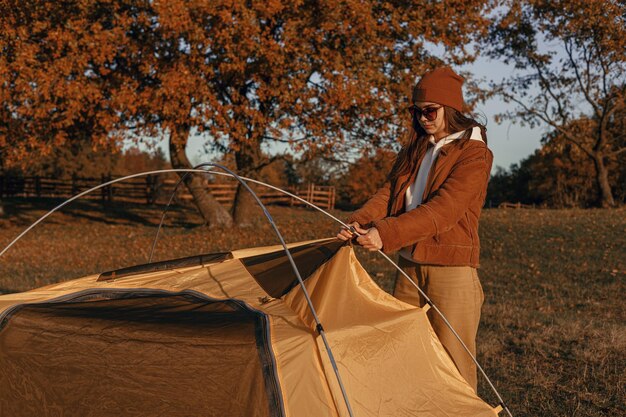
(457, 292)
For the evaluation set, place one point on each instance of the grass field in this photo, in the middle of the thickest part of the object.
(553, 330)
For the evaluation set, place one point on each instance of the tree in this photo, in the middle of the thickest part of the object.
(559, 174)
(86, 72)
(573, 58)
(509, 185)
(317, 75)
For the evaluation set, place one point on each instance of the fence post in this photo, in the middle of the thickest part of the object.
(37, 186)
(104, 189)
(330, 198)
(149, 189)
(74, 184)
(110, 188)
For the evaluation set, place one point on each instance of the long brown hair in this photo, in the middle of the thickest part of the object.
(407, 159)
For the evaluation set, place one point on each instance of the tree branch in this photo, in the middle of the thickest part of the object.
(617, 152)
(288, 141)
(269, 161)
(581, 84)
(548, 88)
(546, 119)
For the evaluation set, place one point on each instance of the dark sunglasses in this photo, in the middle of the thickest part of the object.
(430, 112)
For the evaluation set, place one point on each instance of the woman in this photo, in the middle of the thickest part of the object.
(429, 209)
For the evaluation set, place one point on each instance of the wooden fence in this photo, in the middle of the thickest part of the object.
(153, 189)
(517, 205)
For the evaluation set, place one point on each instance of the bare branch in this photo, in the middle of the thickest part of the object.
(604, 66)
(546, 119)
(584, 88)
(547, 86)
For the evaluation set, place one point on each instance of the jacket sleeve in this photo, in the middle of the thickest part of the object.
(443, 210)
(375, 208)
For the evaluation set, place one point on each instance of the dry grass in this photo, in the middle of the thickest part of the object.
(554, 328)
(553, 332)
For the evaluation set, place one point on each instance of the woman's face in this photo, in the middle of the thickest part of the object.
(436, 127)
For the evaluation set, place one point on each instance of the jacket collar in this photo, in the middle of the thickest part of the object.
(406, 180)
(476, 135)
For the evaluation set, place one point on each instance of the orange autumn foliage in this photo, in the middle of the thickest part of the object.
(325, 75)
(243, 71)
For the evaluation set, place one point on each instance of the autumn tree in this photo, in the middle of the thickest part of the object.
(86, 72)
(318, 75)
(571, 58)
(560, 174)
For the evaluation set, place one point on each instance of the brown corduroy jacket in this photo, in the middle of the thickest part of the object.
(443, 230)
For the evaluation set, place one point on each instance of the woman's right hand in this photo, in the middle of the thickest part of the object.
(345, 234)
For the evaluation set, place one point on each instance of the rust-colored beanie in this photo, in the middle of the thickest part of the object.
(441, 86)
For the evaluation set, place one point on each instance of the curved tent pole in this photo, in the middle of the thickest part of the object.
(426, 298)
(318, 325)
(77, 196)
(156, 236)
(239, 178)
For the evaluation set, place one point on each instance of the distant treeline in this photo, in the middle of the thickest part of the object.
(557, 176)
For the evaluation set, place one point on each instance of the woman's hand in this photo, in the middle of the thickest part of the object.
(345, 234)
(369, 239)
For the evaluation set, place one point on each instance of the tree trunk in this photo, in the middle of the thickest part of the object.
(246, 211)
(2, 177)
(602, 179)
(213, 213)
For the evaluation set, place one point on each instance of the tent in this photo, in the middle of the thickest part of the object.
(226, 334)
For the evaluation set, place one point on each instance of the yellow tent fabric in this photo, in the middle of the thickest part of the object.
(226, 335)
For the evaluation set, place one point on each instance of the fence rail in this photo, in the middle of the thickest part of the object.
(517, 205)
(153, 189)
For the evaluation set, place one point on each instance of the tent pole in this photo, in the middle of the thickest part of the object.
(443, 317)
(428, 300)
(208, 164)
(241, 180)
(77, 196)
(318, 325)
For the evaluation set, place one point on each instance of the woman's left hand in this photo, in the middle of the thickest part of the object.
(369, 239)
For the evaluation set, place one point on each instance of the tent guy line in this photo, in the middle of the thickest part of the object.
(243, 181)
